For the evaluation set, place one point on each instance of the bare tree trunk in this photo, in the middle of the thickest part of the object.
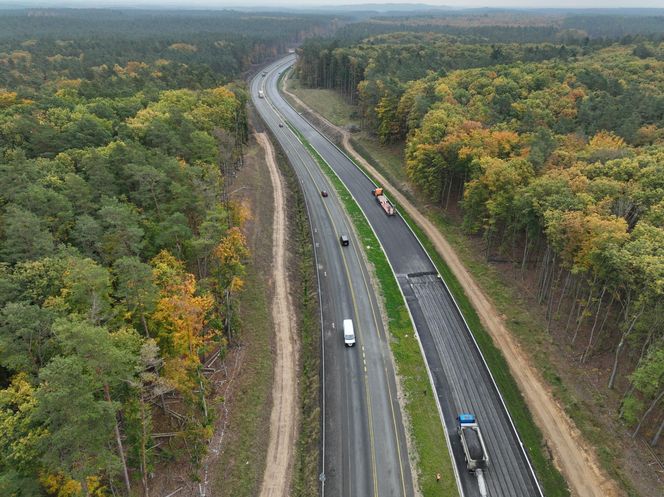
(198, 266)
(145, 325)
(627, 393)
(621, 344)
(582, 310)
(449, 191)
(154, 198)
(644, 349)
(655, 439)
(84, 484)
(606, 317)
(501, 245)
(568, 278)
(525, 255)
(653, 404)
(228, 316)
(118, 440)
(579, 314)
(542, 274)
(95, 308)
(205, 408)
(627, 306)
(547, 277)
(144, 457)
(441, 197)
(592, 331)
(514, 240)
(110, 483)
(552, 293)
(575, 302)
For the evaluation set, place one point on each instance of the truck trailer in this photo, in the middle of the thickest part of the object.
(472, 442)
(383, 201)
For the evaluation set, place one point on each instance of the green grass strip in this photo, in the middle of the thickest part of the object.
(426, 431)
(552, 481)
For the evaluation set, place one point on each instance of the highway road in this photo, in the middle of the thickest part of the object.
(460, 376)
(364, 444)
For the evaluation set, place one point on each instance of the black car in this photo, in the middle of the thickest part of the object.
(281, 125)
(343, 239)
(323, 193)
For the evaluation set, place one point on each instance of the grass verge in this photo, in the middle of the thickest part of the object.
(243, 465)
(387, 159)
(426, 429)
(239, 470)
(330, 104)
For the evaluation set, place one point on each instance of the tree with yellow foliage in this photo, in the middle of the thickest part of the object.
(7, 98)
(228, 272)
(180, 317)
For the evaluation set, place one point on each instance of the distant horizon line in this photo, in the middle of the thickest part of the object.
(394, 6)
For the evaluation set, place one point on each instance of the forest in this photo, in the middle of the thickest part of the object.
(121, 256)
(511, 26)
(551, 152)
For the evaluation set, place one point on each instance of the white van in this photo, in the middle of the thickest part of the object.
(349, 333)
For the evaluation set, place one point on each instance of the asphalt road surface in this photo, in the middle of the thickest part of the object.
(461, 378)
(364, 446)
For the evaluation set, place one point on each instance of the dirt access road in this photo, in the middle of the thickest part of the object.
(573, 456)
(284, 415)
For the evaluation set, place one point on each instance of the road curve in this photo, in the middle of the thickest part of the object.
(364, 444)
(461, 378)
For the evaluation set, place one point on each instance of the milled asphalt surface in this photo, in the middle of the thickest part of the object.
(365, 450)
(461, 379)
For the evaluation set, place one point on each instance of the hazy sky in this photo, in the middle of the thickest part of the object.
(308, 3)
